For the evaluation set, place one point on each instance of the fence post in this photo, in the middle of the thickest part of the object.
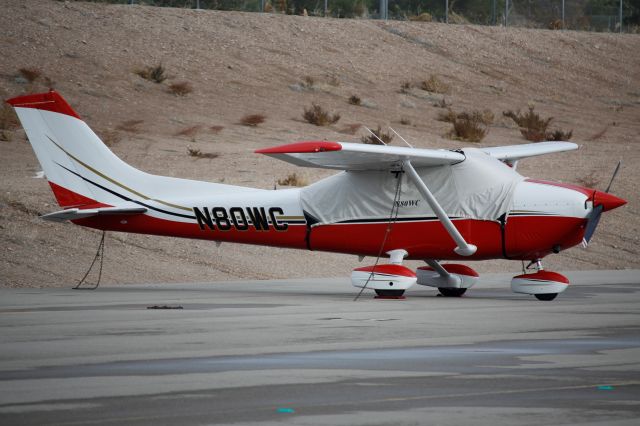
(446, 11)
(621, 16)
(506, 13)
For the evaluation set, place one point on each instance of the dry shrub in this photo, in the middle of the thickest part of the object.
(469, 126)
(532, 126)
(252, 120)
(216, 129)
(373, 140)
(8, 118)
(355, 100)
(189, 132)
(30, 74)
(559, 135)
(406, 121)
(6, 136)
(199, 154)
(318, 116)
(351, 129)
(109, 137)
(434, 85)
(308, 82)
(292, 179)
(131, 126)
(156, 74)
(180, 88)
(556, 24)
(405, 87)
(423, 17)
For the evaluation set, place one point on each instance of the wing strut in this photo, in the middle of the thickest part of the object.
(463, 248)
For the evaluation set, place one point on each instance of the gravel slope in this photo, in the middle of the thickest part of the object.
(241, 63)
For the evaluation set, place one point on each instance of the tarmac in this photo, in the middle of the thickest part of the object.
(303, 352)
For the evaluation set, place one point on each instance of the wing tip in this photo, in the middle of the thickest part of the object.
(305, 147)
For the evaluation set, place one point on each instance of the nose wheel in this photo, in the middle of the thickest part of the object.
(451, 292)
(389, 293)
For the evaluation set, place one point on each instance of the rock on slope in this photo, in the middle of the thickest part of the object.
(242, 63)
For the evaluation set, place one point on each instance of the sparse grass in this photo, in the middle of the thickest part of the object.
(199, 154)
(293, 179)
(373, 140)
(156, 73)
(435, 85)
(355, 100)
(469, 126)
(30, 74)
(485, 116)
(109, 137)
(406, 121)
(189, 132)
(405, 87)
(318, 116)
(131, 126)
(252, 120)
(216, 129)
(351, 129)
(534, 128)
(8, 118)
(181, 88)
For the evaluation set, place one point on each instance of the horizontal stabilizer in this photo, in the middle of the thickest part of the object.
(356, 156)
(512, 153)
(73, 214)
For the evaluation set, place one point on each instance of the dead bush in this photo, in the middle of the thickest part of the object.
(216, 129)
(199, 154)
(355, 100)
(423, 17)
(156, 73)
(8, 118)
(435, 85)
(532, 126)
(373, 140)
(189, 132)
(6, 136)
(318, 116)
(405, 121)
(308, 82)
(30, 74)
(599, 134)
(292, 179)
(448, 116)
(559, 135)
(405, 87)
(131, 126)
(109, 137)
(469, 126)
(252, 120)
(181, 88)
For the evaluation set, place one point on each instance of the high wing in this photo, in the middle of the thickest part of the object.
(355, 156)
(512, 153)
(73, 214)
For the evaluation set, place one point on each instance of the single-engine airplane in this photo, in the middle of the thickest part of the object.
(387, 202)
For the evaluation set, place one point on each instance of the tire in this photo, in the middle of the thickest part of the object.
(452, 292)
(546, 296)
(389, 293)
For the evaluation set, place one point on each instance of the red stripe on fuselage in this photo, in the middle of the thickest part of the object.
(527, 237)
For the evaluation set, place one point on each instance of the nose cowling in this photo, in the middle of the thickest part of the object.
(607, 201)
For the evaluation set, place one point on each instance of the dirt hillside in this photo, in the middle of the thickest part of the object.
(249, 63)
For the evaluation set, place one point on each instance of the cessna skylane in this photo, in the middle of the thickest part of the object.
(387, 202)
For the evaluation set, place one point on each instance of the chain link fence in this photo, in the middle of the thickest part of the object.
(583, 15)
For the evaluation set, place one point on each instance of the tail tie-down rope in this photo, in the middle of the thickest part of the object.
(100, 255)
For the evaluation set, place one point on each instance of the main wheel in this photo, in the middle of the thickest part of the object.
(546, 296)
(451, 292)
(389, 293)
